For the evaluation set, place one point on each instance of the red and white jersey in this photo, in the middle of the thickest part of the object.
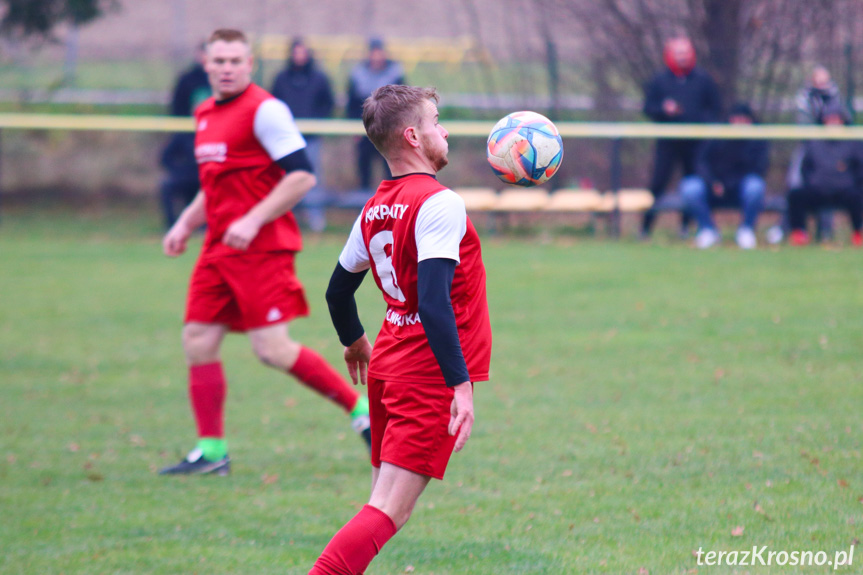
(408, 220)
(236, 145)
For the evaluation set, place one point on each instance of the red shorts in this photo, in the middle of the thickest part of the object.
(409, 425)
(246, 292)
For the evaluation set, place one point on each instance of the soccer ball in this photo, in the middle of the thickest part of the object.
(524, 149)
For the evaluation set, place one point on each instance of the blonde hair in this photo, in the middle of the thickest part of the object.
(390, 109)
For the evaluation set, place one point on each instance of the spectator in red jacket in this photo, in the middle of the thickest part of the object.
(682, 93)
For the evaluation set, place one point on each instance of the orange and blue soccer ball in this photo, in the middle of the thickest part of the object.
(524, 149)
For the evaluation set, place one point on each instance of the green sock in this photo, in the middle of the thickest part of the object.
(214, 449)
(361, 408)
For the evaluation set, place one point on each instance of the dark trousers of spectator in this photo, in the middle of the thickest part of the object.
(805, 201)
(824, 228)
(668, 154)
(367, 154)
(176, 193)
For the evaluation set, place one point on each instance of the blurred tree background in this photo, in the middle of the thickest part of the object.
(39, 17)
(571, 59)
(758, 50)
(566, 57)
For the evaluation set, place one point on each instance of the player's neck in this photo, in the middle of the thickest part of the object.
(411, 164)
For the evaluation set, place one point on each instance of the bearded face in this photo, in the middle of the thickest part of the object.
(435, 151)
(433, 138)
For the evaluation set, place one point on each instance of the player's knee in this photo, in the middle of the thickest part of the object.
(265, 354)
(199, 345)
(278, 353)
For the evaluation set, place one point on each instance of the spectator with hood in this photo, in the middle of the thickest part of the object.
(682, 93)
(306, 89)
(366, 77)
(178, 156)
(832, 177)
(819, 92)
(729, 173)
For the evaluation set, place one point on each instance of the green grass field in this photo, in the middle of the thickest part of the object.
(646, 400)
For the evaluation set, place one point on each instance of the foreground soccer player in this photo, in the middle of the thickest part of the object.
(435, 341)
(253, 170)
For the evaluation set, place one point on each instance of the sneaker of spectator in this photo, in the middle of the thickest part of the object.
(775, 235)
(707, 238)
(746, 238)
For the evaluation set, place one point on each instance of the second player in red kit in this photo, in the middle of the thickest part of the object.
(253, 169)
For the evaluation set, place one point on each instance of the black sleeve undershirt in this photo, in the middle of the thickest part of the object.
(296, 161)
(434, 282)
(343, 305)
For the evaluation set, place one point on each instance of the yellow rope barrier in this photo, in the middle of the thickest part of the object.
(603, 130)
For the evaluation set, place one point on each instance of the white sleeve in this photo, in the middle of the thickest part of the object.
(355, 256)
(276, 130)
(440, 227)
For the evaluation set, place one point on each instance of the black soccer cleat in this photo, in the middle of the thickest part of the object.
(195, 464)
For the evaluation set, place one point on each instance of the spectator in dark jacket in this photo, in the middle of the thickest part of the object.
(729, 173)
(682, 93)
(819, 93)
(178, 156)
(306, 90)
(366, 77)
(832, 176)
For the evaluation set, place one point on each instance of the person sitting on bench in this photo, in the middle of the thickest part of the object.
(729, 173)
(832, 174)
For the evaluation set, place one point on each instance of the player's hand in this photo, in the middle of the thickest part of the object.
(241, 232)
(461, 411)
(670, 107)
(174, 242)
(357, 356)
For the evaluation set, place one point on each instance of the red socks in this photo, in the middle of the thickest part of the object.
(207, 390)
(314, 371)
(351, 550)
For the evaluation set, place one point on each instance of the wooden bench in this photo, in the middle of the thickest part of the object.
(503, 205)
(478, 199)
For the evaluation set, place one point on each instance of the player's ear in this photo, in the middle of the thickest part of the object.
(411, 137)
